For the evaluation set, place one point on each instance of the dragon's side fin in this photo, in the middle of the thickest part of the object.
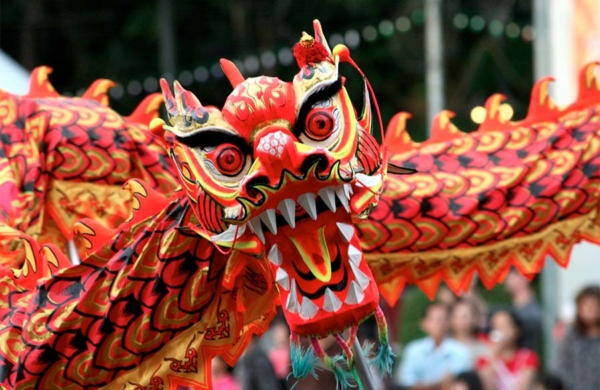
(98, 91)
(397, 139)
(39, 85)
(589, 84)
(147, 110)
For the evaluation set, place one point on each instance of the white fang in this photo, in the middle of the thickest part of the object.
(328, 196)
(355, 294)
(308, 203)
(347, 231)
(269, 219)
(331, 303)
(287, 208)
(308, 309)
(274, 255)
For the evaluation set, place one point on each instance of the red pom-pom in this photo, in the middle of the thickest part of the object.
(309, 51)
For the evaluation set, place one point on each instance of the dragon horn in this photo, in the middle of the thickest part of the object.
(232, 72)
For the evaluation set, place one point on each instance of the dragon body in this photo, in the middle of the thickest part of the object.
(275, 205)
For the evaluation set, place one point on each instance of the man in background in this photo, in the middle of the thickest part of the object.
(431, 362)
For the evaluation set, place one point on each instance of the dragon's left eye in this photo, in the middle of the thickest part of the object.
(228, 159)
(319, 125)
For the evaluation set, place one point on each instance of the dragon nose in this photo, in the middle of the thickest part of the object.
(274, 146)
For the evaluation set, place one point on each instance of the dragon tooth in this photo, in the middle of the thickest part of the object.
(362, 279)
(308, 203)
(341, 194)
(275, 255)
(354, 254)
(287, 208)
(363, 180)
(308, 309)
(347, 231)
(256, 228)
(328, 196)
(282, 277)
(292, 302)
(355, 294)
(331, 302)
(348, 190)
(269, 219)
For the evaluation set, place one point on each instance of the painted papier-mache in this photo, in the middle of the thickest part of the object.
(282, 197)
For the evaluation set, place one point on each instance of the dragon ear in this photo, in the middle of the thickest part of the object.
(319, 36)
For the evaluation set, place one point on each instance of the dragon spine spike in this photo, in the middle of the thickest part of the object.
(442, 128)
(92, 234)
(589, 84)
(541, 104)
(397, 138)
(147, 110)
(98, 91)
(39, 85)
(232, 72)
(493, 119)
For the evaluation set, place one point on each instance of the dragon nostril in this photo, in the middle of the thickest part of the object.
(252, 192)
(319, 159)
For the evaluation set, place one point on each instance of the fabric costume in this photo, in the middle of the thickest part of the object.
(282, 197)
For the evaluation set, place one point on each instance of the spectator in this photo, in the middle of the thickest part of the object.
(509, 366)
(463, 327)
(257, 372)
(468, 380)
(430, 362)
(526, 307)
(579, 352)
(548, 382)
(222, 378)
(279, 355)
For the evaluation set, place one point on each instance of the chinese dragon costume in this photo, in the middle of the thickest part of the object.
(282, 197)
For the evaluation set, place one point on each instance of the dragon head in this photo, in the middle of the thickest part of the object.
(280, 173)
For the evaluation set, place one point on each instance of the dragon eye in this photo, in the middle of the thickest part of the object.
(319, 125)
(228, 159)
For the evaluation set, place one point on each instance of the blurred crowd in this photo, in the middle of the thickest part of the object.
(468, 346)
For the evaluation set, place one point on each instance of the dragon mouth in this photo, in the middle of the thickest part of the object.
(316, 261)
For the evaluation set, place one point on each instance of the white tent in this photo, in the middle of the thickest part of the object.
(13, 77)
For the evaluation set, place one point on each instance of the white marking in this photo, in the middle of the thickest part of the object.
(347, 232)
(308, 309)
(363, 180)
(355, 254)
(331, 303)
(275, 255)
(269, 219)
(328, 196)
(287, 208)
(355, 294)
(229, 234)
(308, 203)
(282, 278)
(256, 228)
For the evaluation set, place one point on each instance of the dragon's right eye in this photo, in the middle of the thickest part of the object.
(227, 158)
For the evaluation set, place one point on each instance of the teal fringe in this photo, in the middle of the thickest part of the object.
(343, 378)
(304, 361)
(383, 360)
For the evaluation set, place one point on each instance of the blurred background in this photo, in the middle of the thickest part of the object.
(421, 56)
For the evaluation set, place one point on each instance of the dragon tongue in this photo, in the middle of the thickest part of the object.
(311, 246)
